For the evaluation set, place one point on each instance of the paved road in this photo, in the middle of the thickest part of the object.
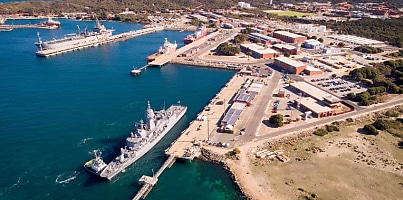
(256, 114)
(331, 119)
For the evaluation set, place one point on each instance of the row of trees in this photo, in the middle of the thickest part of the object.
(390, 30)
(368, 49)
(381, 78)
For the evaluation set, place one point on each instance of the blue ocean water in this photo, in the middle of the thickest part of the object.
(54, 112)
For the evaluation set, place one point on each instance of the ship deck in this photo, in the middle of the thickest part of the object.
(114, 38)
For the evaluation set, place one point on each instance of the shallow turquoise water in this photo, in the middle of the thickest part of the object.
(55, 111)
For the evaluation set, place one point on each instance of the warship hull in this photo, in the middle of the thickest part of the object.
(116, 166)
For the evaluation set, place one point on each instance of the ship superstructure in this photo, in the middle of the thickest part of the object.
(99, 34)
(200, 32)
(50, 23)
(164, 49)
(144, 137)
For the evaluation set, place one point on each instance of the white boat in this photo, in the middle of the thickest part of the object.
(5, 29)
(96, 165)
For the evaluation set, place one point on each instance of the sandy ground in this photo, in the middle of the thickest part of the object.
(341, 165)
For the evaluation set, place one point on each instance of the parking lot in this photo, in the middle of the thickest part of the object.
(337, 85)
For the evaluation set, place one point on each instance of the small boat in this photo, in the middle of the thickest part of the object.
(5, 29)
(96, 165)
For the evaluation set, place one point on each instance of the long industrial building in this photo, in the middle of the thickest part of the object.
(289, 37)
(292, 66)
(264, 39)
(259, 51)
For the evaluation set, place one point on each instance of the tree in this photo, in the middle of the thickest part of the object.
(370, 129)
(351, 96)
(227, 49)
(320, 40)
(381, 124)
(341, 45)
(277, 120)
(238, 39)
(287, 55)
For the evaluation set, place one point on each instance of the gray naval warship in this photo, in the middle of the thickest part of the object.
(144, 137)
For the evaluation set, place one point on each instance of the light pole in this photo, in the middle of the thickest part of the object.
(208, 130)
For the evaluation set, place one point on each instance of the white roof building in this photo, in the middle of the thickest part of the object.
(312, 91)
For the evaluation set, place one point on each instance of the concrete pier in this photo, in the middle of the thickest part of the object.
(189, 143)
(148, 182)
(114, 38)
(164, 59)
(39, 26)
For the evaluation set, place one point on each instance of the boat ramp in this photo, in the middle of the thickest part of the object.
(114, 38)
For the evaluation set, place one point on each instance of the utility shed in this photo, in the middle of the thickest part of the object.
(233, 114)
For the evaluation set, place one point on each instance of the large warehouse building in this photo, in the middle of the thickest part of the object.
(292, 66)
(289, 37)
(264, 39)
(259, 51)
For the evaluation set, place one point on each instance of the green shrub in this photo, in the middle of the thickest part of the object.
(370, 129)
(392, 114)
(236, 150)
(277, 120)
(320, 132)
(331, 128)
(382, 124)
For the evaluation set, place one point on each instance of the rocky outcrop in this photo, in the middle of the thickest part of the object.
(221, 160)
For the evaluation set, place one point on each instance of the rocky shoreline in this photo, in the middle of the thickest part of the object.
(210, 156)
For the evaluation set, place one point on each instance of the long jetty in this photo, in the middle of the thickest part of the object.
(149, 182)
(164, 59)
(40, 26)
(114, 38)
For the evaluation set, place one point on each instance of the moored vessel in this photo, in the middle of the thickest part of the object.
(144, 137)
(5, 29)
(99, 34)
(95, 165)
(200, 32)
(50, 24)
(164, 49)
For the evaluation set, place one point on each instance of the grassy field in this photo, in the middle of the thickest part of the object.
(287, 13)
(338, 171)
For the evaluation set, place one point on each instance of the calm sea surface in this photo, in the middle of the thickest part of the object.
(54, 112)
